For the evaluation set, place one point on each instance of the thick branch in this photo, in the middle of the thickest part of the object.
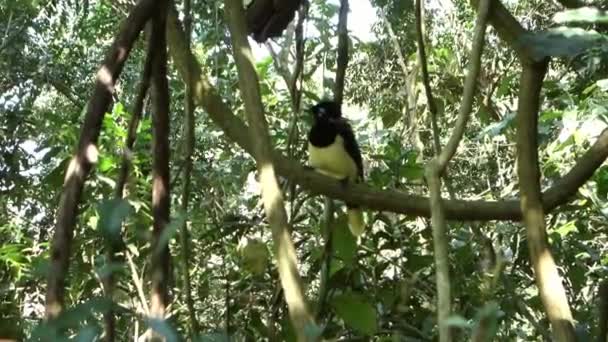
(262, 152)
(375, 199)
(548, 280)
(86, 153)
(507, 27)
(161, 200)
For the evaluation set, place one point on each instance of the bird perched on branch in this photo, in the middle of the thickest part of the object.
(333, 151)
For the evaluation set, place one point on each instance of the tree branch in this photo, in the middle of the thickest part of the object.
(374, 199)
(263, 153)
(188, 150)
(507, 27)
(161, 200)
(86, 153)
(548, 280)
(602, 297)
(436, 168)
(342, 59)
(123, 174)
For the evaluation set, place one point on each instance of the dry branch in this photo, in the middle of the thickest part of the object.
(375, 199)
(86, 153)
(548, 280)
(262, 152)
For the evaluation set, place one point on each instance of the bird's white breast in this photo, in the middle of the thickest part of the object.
(332, 160)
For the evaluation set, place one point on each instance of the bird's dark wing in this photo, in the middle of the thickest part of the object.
(350, 143)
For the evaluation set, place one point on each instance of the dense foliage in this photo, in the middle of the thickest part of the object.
(382, 286)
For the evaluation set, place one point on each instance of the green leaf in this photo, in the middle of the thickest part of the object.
(498, 127)
(550, 115)
(416, 262)
(88, 334)
(108, 269)
(163, 327)
(458, 322)
(356, 312)
(55, 177)
(312, 331)
(170, 231)
(489, 313)
(581, 15)
(112, 213)
(412, 172)
(566, 229)
(73, 317)
(105, 164)
(601, 179)
(335, 266)
(390, 118)
(562, 42)
(345, 244)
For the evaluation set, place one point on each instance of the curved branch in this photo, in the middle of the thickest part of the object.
(272, 195)
(437, 167)
(86, 153)
(507, 27)
(548, 280)
(366, 196)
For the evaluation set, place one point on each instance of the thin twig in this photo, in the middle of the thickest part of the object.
(436, 168)
(138, 282)
(188, 150)
(342, 58)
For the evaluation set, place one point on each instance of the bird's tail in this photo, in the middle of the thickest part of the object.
(355, 221)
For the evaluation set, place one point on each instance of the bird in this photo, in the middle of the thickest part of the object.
(333, 151)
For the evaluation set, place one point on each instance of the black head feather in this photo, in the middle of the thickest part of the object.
(326, 110)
